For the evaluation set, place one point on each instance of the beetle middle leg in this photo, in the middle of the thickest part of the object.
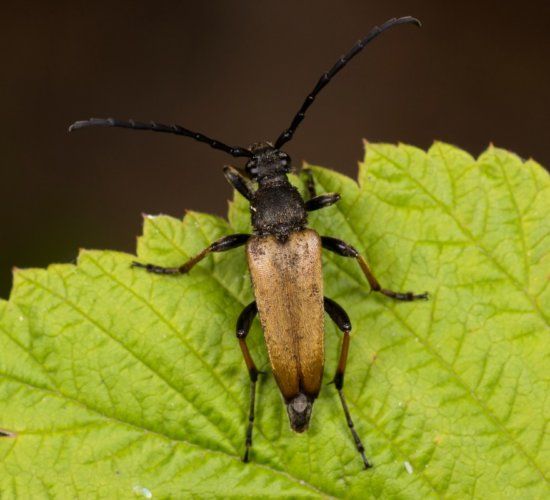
(322, 201)
(244, 322)
(342, 248)
(221, 245)
(316, 202)
(236, 177)
(310, 183)
(340, 317)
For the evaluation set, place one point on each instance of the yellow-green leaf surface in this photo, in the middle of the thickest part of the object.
(115, 383)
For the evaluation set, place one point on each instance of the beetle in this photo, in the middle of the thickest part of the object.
(284, 260)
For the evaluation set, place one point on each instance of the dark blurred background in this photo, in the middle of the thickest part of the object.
(477, 72)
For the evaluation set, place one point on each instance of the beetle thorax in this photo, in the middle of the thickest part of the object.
(277, 207)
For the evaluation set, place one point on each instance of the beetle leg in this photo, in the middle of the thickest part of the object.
(238, 181)
(244, 323)
(322, 201)
(317, 202)
(310, 183)
(345, 250)
(221, 245)
(340, 317)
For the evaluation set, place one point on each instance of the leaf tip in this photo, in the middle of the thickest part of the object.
(148, 216)
(192, 214)
(366, 147)
(438, 144)
(82, 254)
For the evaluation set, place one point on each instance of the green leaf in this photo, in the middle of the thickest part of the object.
(117, 383)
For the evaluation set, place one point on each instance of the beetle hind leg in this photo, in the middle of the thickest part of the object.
(244, 322)
(342, 321)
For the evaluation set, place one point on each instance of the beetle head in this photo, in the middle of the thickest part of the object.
(299, 412)
(267, 162)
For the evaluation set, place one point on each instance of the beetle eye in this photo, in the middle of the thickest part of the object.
(251, 167)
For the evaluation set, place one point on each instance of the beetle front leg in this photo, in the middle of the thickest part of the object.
(340, 317)
(310, 183)
(221, 245)
(236, 178)
(341, 248)
(243, 327)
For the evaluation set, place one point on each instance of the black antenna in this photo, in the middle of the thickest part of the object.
(358, 47)
(159, 127)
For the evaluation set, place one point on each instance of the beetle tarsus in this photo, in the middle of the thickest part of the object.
(351, 426)
(404, 296)
(250, 427)
(151, 268)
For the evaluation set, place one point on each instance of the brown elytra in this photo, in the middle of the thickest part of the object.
(290, 306)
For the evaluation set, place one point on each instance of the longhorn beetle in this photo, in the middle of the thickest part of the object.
(284, 259)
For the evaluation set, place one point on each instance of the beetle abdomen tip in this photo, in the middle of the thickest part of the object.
(299, 412)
